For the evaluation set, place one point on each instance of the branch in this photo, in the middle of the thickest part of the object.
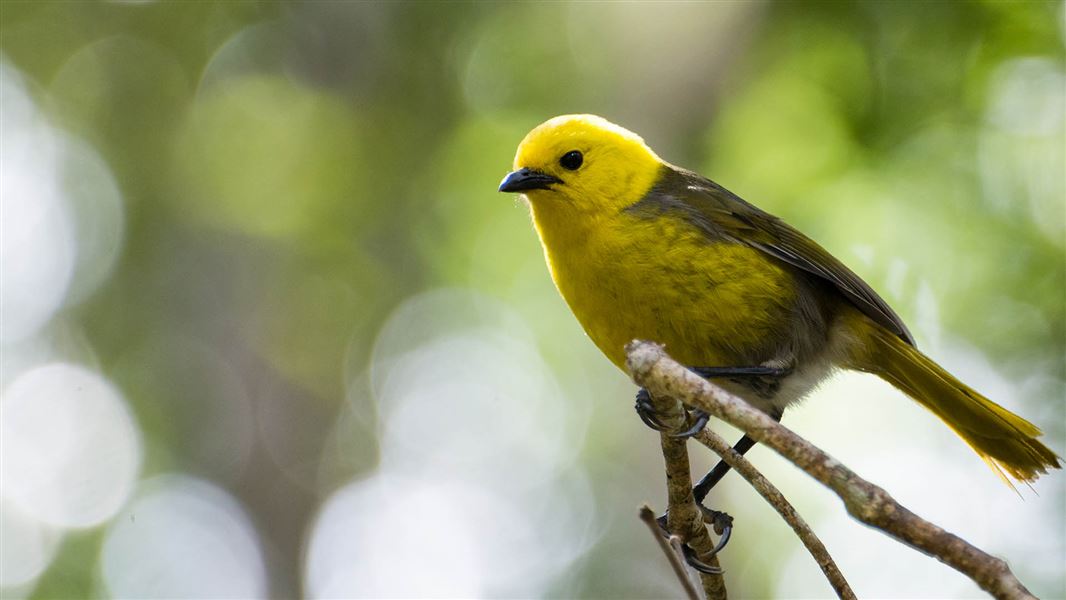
(671, 413)
(783, 507)
(870, 504)
(684, 517)
(672, 554)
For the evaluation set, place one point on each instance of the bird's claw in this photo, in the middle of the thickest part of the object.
(701, 417)
(694, 561)
(722, 524)
(647, 413)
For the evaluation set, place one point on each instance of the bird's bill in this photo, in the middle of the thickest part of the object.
(527, 179)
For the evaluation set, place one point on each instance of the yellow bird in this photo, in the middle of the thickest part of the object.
(641, 249)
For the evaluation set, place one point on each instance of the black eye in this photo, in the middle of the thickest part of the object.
(571, 160)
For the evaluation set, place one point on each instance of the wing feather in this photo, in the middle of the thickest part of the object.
(723, 214)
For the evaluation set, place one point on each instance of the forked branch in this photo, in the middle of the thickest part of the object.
(651, 368)
(685, 519)
(775, 498)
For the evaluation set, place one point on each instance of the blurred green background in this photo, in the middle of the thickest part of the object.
(270, 331)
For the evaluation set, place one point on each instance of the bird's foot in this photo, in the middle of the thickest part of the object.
(647, 413)
(722, 524)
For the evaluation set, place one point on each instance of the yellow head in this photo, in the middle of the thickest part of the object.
(582, 163)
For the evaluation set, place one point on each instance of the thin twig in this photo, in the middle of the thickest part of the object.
(661, 375)
(684, 517)
(783, 507)
(675, 543)
(672, 554)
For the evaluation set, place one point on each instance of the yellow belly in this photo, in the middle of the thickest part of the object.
(711, 303)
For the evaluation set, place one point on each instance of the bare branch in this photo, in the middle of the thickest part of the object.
(684, 517)
(661, 375)
(672, 554)
(671, 412)
(783, 507)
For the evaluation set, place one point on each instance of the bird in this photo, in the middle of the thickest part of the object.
(642, 249)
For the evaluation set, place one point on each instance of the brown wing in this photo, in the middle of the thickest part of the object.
(722, 214)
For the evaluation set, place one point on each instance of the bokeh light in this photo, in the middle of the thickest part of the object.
(432, 392)
(455, 376)
(1024, 142)
(183, 538)
(37, 232)
(372, 533)
(26, 546)
(70, 450)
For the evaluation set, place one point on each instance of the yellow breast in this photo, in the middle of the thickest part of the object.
(713, 303)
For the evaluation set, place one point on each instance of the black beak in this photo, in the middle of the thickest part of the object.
(527, 179)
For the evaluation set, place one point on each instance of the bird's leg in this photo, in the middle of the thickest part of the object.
(708, 481)
(721, 522)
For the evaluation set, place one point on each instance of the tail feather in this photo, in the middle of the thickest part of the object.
(1004, 440)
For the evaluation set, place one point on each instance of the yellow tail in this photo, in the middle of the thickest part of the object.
(1004, 440)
